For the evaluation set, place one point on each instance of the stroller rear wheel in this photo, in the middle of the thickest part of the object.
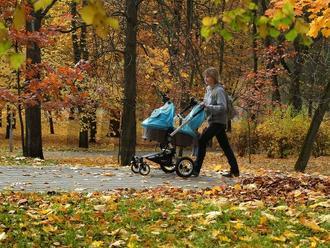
(184, 167)
(144, 169)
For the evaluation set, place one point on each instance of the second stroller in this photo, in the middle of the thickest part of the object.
(160, 127)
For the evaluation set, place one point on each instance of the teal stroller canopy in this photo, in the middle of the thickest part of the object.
(161, 118)
(195, 119)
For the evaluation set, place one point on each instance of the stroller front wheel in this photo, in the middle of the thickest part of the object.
(184, 167)
(135, 166)
(144, 169)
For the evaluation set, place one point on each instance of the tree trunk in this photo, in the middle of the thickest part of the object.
(128, 121)
(295, 95)
(33, 138)
(51, 123)
(93, 126)
(74, 36)
(276, 96)
(254, 40)
(222, 41)
(11, 146)
(9, 122)
(19, 107)
(83, 134)
(306, 149)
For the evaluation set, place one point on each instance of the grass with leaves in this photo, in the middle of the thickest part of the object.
(296, 214)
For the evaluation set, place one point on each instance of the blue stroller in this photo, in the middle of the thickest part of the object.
(160, 127)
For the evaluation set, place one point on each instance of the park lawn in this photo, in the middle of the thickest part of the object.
(258, 212)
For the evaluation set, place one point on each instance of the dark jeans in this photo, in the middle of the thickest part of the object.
(218, 130)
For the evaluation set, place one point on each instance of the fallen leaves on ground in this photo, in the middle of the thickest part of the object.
(261, 211)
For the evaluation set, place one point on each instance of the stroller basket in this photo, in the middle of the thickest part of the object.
(161, 136)
(155, 134)
(182, 139)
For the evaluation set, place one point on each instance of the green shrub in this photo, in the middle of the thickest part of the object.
(240, 137)
(321, 145)
(280, 134)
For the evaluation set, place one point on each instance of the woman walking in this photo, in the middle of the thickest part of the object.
(215, 104)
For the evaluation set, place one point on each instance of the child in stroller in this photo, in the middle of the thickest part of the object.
(160, 127)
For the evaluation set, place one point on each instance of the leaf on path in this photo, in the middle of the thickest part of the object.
(108, 174)
(79, 189)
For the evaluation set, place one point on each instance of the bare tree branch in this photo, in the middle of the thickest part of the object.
(44, 13)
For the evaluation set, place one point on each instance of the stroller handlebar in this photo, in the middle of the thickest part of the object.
(192, 103)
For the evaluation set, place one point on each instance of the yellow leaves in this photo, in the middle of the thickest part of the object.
(96, 244)
(289, 234)
(88, 13)
(41, 4)
(112, 22)
(237, 187)
(325, 204)
(245, 238)
(238, 225)
(19, 18)
(94, 14)
(216, 234)
(320, 24)
(263, 220)
(16, 59)
(281, 208)
(49, 228)
(280, 238)
(224, 238)
(209, 21)
(311, 224)
(301, 26)
(133, 240)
